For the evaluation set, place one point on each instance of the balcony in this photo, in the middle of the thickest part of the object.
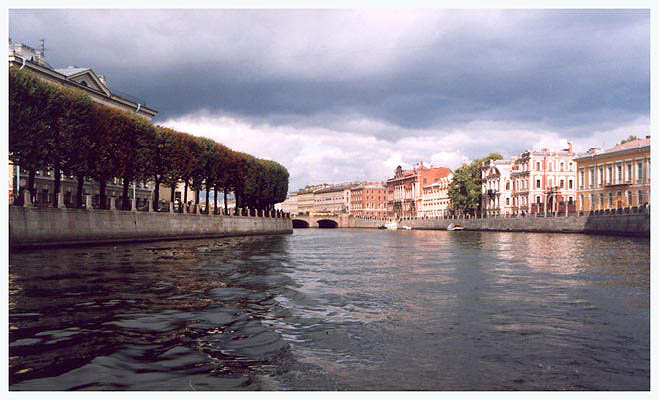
(617, 184)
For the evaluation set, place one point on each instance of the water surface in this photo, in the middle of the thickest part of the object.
(335, 310)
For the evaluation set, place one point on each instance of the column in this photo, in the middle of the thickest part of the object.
(88, 201)
(113, 203)
(27, 198)
(133, 204)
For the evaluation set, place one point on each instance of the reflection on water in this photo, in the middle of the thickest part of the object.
(335, 310)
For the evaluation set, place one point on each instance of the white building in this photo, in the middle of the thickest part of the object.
(434, 198)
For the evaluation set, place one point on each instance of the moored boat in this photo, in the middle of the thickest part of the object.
(391, 226)
(455, 227)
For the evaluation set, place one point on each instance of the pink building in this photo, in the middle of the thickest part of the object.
(544, 181)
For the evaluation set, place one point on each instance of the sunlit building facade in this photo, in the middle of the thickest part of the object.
(615, 178)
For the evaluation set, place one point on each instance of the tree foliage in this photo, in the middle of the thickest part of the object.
(465, 188)
(63, 129)
(629, 139)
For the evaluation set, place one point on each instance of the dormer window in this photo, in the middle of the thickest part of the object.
(83, 83)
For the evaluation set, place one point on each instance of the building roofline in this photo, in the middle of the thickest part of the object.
(63, 79)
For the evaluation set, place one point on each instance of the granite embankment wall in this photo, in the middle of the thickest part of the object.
(625, 224)
(38, 227)
(630, 224)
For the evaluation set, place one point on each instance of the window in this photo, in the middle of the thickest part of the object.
(639, 171)
(569, 184)
(629, 172)
(570, 200)
(592, 201)
(571, 166)
(537, 184)
(601, 200)
(609, 174)
(562, 184)
(537, 199)
(600, 176)
(640, 197)
(619, 172)
(581, 201)
(581, 178)
(507, 185)
(591, 181)
(508, 201)
(562, 166)
(550, 166)
(610, 200)
(537, 165)
(629, 198)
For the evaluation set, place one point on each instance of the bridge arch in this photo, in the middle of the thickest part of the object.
(327, 223)
(300, 223)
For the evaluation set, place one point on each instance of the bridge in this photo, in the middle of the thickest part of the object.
(334, 221)
(307, 221)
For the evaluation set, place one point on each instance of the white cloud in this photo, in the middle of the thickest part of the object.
(321, 155)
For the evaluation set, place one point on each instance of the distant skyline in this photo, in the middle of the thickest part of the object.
(343, 95)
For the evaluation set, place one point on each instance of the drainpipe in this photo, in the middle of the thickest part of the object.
(23, 58)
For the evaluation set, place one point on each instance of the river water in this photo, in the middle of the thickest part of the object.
(335, 309)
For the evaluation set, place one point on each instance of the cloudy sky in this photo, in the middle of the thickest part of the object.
(340, 95)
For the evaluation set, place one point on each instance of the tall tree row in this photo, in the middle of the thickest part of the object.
(63, 130)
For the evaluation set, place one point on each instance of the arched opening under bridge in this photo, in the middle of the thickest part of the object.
(327, 223)
(300, 223)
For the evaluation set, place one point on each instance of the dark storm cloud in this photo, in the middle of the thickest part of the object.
(569, 70)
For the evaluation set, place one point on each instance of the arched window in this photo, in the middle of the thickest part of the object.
(83, 83)
(537, 165)
(507, 185)
(562, 166)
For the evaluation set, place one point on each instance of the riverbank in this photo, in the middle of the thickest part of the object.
(32, 227)
(627, 222)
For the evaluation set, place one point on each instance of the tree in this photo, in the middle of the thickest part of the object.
(28, 122)
(159, 145)
(107, 127)
(629, 139)
(71, 131)
(465, 188)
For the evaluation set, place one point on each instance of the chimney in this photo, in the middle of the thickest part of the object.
(569, 147)
(647, 137)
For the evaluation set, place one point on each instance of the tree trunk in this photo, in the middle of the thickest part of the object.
(102, 185)
(124, 195)
(156, 195)
(79, 193)
(226, 207)
(207, 211)
(172, 197)
(215, 196)
(196, 197)
(185, 192)
(30, 183)
(58, 184)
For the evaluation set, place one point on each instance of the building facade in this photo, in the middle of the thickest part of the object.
(544, 181)
(435, 201)
(368, 200)
(615, 178)
(332, 199)
(404, 190)
(497, 185)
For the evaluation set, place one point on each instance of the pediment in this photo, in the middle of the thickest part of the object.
(89, 79)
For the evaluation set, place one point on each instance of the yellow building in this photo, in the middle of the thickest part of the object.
(615, 178)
